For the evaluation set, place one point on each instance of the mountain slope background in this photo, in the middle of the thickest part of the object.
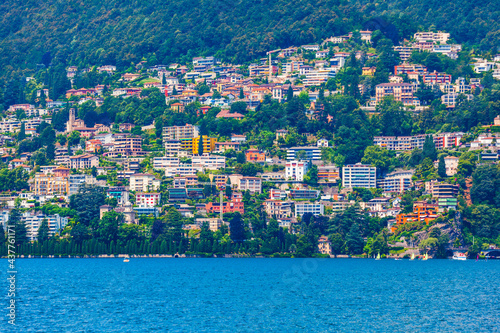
(119, 32)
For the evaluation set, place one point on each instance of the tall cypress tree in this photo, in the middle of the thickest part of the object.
(442, 167)
(43, 231)
(19, 227)
(22, 133)
(429, 148)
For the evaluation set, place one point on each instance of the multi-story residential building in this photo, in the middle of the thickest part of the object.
(278, 209)
(359, 175)
(214, 224)
(192, 145)
(447, 140)
(147, 199)
(210, 162)
(255, 155)
(252, 184)
(165, 162)
(185, 181)
(227, 207)
(303, 208)
(444, 190)
(49, 185)
(201, 61)
(85, 161)
(177, 195)
(77, 180)
(33, 221)
(120, 193)
(318, 76)
(422, 212)
(436, 78)
(125, 144)
(303, 194)
(310, 153)
(296, 170)
(451, 99)
(180, 132)
(276, 194)
(410, 69)
(143, 182)
(402, 92)
(398, 181)
(183, 170)
(434, 37)
(404, 52)
(328, 173)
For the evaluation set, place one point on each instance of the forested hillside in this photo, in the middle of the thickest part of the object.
(121, 32)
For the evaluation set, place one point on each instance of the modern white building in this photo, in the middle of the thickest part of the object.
(252, 184)
(143, 182)
(33, 222)
(311, 153)
(398, 181)
(147, 199)
(210, 162)
(359, 175)
(303, 208)
(296, 170)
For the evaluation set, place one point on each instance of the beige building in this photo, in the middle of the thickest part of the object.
(324, 245)
(142, 182)
(85, 161)
(49, 185)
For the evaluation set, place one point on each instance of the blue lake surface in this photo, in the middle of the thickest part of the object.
(247, 295)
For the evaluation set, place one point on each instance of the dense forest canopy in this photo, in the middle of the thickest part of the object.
(119, 32)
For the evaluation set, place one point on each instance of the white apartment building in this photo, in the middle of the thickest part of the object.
(183, 170)
(252, 184)
(398, 181)
(180, 132)
(277, 208)
(165, 162)
(33, 222)
(210, 162)
(296, 170)
(318, 76)
(429, 36)
(147, 199)
(359, 175)
(303, 208)
(311, 153)
(143, 182)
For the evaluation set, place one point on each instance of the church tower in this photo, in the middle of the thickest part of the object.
(71, 122)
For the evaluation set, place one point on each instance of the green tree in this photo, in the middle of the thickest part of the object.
(22, 133)
(43, 231)
(354, 240)
(311, 178)
(229, 190)
(337, 244)
(429, 148)
(107, 230)
(442, 167)
(86, 202)
(237, 228)
(19, 227)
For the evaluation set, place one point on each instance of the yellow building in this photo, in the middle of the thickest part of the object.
(191, 145)
(49, 185)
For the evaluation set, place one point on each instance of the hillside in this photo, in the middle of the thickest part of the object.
(122, 32)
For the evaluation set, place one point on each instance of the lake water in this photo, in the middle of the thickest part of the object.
(245, 295)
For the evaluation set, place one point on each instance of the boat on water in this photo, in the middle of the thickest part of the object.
(426, 256)
(412, 256)
(378, 256)
(459, 256)
(126, 259)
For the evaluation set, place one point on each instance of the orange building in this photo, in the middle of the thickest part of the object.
(61, 171)
(93, 145)
(227, 207)
(422, 212)
(255, 155)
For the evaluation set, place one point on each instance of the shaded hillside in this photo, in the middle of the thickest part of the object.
(123, 32)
